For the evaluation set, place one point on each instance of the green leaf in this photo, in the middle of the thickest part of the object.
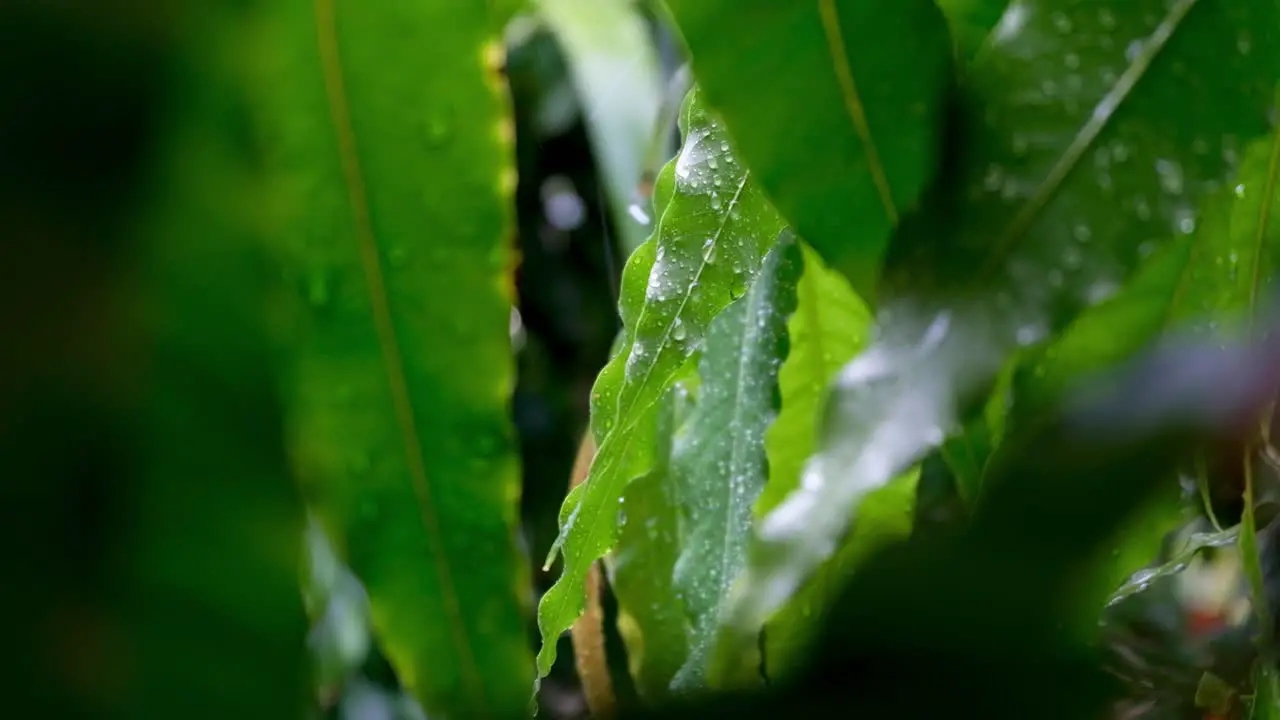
(392, 138)
(1266, 689)
(829, 326)
(719, 457)
(714, 229)
(886, 517)
(651, 614)
(1067, 166)
(615, 70)
(852, 154)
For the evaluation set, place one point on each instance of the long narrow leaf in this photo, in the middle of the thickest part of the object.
(394, 137)
(714, 229)
(720, 458)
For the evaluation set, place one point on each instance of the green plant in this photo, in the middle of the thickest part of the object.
(896, 248)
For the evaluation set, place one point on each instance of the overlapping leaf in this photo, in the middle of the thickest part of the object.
(714, 229)
(1067, 168)
(651, 613)
(393, 139)
(848, 157)
(720, 457)
(829, 326)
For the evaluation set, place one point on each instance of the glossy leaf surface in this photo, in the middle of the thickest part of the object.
(392, 138)
(714, 229)
(1067, 168)
(846, 163)
(720, 457)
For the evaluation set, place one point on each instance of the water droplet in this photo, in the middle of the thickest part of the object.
(1185, 219)
(1134, 49)
(724, 146)
(1170, 174)
(638, 213)
(1082, 232)
(1106, 19)
(1141, 208)
(318, 290)
(1071, 60)
(709, 251)
(994, 178)
(1062, 22)
(397, 256)
(678, 331)
(1244, 42)
(1240, 190)
(1049, 88)
(713, 163)
(438, 131)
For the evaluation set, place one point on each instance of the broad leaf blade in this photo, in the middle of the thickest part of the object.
(615, 70)
(846, 162)
(720, 458)
(714, 229)
(1062, 178)
(393, 136)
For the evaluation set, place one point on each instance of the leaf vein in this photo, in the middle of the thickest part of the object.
(393, 364)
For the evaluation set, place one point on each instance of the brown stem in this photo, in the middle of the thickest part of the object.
(587, 632)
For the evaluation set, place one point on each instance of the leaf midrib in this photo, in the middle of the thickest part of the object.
(609, 466)
(1102, 113)
(389, 346)
(830, 16)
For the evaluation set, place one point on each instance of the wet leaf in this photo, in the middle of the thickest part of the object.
(846, 162)
(719, 458)
(1067, 167)
(651, 613)
(714, 229)
(1266, 698)
(1181, 559)
(398, 216)
(615, 70)
(829, 326)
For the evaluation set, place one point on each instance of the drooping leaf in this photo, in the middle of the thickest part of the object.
(714, 229)
(829, 326)
(719, 459)
(615, 70)
(392, 138)
(844, 163)
(651, 613)
(1066, 167)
